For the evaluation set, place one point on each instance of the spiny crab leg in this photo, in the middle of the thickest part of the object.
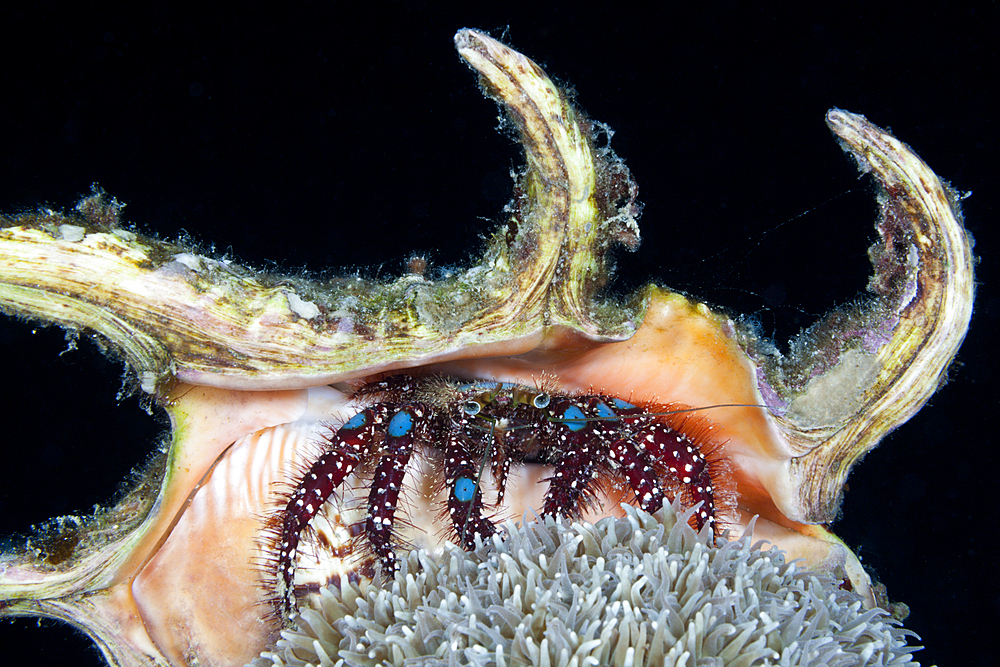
(465, 503)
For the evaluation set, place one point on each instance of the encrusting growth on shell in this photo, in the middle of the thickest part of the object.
(641, 590)
(174, 313)
(863, 370)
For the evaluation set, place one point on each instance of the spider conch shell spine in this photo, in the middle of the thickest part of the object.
(176, 314)
(864, 370)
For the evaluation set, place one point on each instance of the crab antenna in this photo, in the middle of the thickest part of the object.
(479, 480)
(561, 420)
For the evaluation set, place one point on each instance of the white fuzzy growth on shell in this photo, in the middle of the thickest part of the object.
(642, 590)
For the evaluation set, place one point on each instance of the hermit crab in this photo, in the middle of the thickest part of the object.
(321, 427)
(591, 441)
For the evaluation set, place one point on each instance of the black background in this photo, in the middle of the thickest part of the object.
(334, 137)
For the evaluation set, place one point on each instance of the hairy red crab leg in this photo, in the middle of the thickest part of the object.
(465, 497)
(655, 447)
(349, 446)
(405, 427)
(581, 461)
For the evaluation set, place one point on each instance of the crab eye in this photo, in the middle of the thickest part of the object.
(525, 396)
(472, 408)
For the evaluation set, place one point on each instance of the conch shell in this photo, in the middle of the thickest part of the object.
(252, 368)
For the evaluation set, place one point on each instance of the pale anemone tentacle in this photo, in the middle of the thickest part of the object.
(241, 362)
(555, 593)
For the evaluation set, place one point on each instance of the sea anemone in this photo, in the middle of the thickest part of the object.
(639, 590)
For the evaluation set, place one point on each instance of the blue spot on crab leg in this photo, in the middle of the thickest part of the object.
(465, 490)
(465, 498)
(573, 418)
